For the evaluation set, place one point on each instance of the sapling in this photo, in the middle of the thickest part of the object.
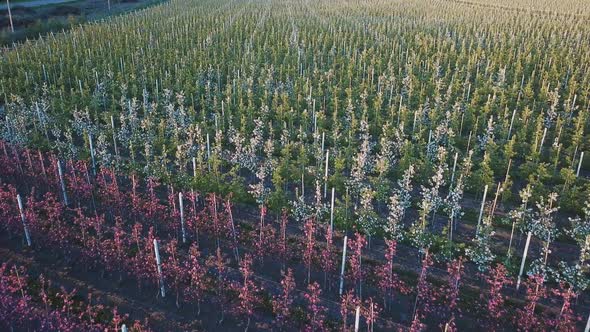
(176, 273)
(370, 311)
(247, 290)
(282, 303)
(356, 271)
(197, 277)
(316, 313)
(496, 280)
(388, 281)
(526, 319)
(232, 227)
(423, 295)
(309, 246)
(328, 263)
(218, 263)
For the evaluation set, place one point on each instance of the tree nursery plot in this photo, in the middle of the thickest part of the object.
(295, 165)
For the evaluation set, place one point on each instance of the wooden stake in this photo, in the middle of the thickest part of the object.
(454, 167)
(332, 212)
(24, 221)
(114, 136)
(92, 154)
(343, 265)
(326, 174)
(10, 16)
(181, 206)
(62, 182)
(159, 266)
(580, 164)
(483, 202)
(526, 250)
(357, 319)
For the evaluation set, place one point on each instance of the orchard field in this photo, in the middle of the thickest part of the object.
(294, 165)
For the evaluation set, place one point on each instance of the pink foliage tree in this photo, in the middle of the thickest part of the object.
(496, 280)
(526, 319)
(309, 251)
(282, 304)
(197, 277)
(355, 275)
(388, 281)
(316, 313)
(247, 290)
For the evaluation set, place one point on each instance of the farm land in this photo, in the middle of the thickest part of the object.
(294, 165)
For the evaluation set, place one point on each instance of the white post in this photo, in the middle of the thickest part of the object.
(123, 328)
(92, 154)
(343, 265)
(483, 202)
(194, 167)
(332, 212)
(10, 16)
(511, 237)
(159, 266)
(454, 167)
(587, 329)
(580, 164)
(62, 182)
(233, 230)
(543, 139)
(357, 318)
(208, 153)
(323, 140)
(326, 174)
(511, 122)
(526, 250)
(181, 205)
(22, 216)
(114, 136)
(302, 185)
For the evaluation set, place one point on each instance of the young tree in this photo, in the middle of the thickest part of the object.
(315, 311)
(247, 290)
(282, 303)
(355, 275)
(348, 304)
(526, 319)
(327, 256)
(567, 319)
(388, 281)
(197, 277)
(218, 267)
(496, 280)
(309, 251)
(425, 294)
(451, 293)
(370, 311)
